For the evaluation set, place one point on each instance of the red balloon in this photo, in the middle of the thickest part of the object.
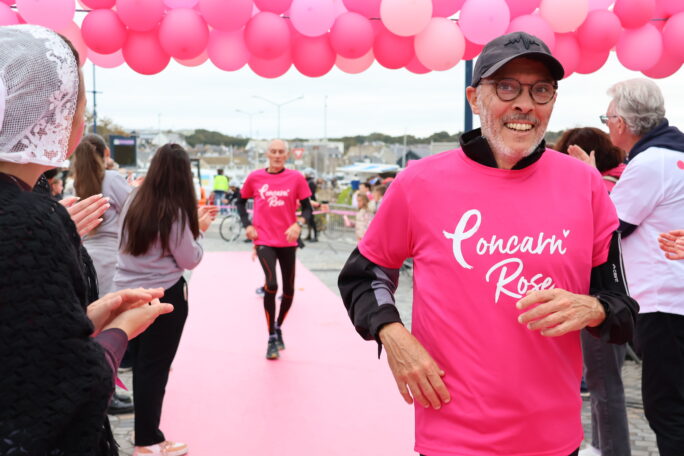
(368, 8)
(226, 14)
(273, 6)
(673, 35)
(270, 68)
(183, 34)
(227, 50)
(567, 51)
(144, 54)
(667, 66)
(351, 35)
(639, 49)
(392, 51)
(312, 56)
(600, 30)
(472, 50)
(634, 13)
(671, 7)
(414, 66)
(446, 8)
(103, 31)
(267, 35)
(98, 4)
(140, 15)
(591, 60)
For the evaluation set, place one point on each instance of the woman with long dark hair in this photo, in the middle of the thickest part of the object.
(160, 238)
(91, 178)
(274, 231)
(59, 351)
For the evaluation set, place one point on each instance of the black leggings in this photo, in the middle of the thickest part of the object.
(286, 257)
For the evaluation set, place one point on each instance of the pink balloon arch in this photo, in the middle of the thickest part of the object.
(313, 36)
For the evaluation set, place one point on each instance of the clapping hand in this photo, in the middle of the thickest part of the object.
(580, 154)
(672, 243)
(86, 213)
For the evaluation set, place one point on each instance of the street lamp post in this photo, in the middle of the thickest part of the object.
(278, 105)
(249, 114)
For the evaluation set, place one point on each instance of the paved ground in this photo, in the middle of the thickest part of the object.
(325, 259)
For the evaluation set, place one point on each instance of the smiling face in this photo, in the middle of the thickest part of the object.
(512, 128)
(277, 155)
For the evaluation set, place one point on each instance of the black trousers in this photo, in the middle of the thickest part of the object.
(152, 353)
(661, 337)
(268, 256)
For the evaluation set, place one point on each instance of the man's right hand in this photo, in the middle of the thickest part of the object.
(251, 233)
(417, 375)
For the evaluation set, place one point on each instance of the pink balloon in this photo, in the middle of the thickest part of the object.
(197, 61)
(8, 2)
(267, 36)
(226, 15)
(634, 13)
(522, 7)
(666, 66)
(600, 4)
(355, 66)
(406, 17)
(671, 7)
(73, 32)
(273, 6)
(567, 51)
(600, 31)
(140, 15)
(312, 17)
(7, 16)
(639, 49)
(446, 8)
(227, 50)
(472, 50)
(103, 31)
(483, 20)
(312, 56)
(673, 36)
(564, 16)
(183, 34)
(414, 66)
(270, 68)
(97, 4)
(368, 8)
(181, 3)
(106, 60)
(591, 61)
(351, 35)
(534, 25)
(392, 51)
(441, 45)
(144, 54)
(54, 14)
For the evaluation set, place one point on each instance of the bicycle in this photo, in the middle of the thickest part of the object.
(231, 225)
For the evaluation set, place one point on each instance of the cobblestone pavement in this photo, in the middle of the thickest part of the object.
(325, 259)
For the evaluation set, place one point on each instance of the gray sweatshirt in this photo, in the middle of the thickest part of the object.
(155, 268)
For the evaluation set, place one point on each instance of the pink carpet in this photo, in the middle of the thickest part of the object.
(327, 395)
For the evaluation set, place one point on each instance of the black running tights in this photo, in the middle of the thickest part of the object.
(286, 257)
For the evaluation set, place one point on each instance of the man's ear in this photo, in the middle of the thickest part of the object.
(471, 95)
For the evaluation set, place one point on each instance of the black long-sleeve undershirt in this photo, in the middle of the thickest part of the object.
(367, 290)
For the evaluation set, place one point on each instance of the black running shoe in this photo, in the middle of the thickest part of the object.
(279, 339)
(272, 349)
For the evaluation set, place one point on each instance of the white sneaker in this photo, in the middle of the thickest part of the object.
(590, 451)
(163, 449)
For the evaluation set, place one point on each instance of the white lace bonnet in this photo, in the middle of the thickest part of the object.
(38, 95)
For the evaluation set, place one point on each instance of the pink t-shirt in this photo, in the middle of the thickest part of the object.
(480, 238)
(275, 202)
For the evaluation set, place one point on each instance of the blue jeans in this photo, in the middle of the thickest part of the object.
(603, 373)
(218, 199)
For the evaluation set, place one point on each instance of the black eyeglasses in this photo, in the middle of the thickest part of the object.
(509, 89)
(604, 119)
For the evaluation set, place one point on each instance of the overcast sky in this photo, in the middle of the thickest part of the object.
(394, 102)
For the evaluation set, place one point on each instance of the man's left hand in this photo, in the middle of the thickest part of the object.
(292, 233)
(559, 312)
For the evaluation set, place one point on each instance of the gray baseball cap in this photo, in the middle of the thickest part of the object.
(503, 49)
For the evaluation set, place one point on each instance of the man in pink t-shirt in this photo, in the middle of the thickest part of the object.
(515, 250)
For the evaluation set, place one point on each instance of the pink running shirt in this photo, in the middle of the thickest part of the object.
(480, 238)
(275, 202)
